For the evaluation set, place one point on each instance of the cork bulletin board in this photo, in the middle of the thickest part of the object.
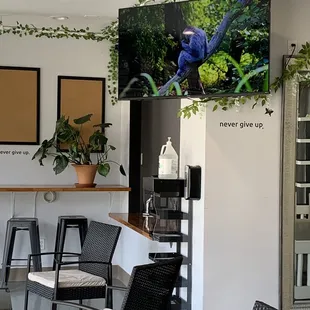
(20, 105)
(78, 96)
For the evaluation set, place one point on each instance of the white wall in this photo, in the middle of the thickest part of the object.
(58, 57)
(241, 253)
(242, 210)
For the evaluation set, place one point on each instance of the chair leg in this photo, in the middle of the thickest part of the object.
(26, 298)
(109, 297)
(109, 292)
(54, 307)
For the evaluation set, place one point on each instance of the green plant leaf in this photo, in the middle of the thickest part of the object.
(60, 163)
(82, 120)
(104, 169)
(61, 122)
(64, 132)
(113, 148)
(43, 150)
(104, 125)
(98, 139)
(122, 170)
(74, 151)
(65, 136)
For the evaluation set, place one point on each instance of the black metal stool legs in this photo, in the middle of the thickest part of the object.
(35, 246)
(60, 242)
(57, 239)
(14, 225)
(7, 255)
(83, 231)
(64, 223)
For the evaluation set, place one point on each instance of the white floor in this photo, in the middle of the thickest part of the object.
(14, 299)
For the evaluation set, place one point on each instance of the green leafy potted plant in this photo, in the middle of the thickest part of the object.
(78, 151)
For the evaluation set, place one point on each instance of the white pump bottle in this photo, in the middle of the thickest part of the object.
(168, 162)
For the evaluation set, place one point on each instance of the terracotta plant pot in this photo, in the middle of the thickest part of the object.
(86, 175)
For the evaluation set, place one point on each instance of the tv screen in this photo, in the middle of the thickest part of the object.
(194, 49)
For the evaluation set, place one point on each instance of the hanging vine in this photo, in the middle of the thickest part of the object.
(302, 62)
(110, 34)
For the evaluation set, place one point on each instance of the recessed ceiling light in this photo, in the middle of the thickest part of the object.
(60, 17)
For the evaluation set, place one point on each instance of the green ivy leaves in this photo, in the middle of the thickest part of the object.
(301, 62)
(109, 33)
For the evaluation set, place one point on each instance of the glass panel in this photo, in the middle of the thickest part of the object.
(304, 100)
(302, 192)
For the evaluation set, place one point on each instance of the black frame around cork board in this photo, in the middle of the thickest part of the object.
(62, 78)
(36, 138)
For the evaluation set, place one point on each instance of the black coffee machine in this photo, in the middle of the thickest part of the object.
(162, 202)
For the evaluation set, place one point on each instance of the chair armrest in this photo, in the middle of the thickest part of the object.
(74, 305)
(82, 262)
(118, 288)
(53, 253)
(30, 256)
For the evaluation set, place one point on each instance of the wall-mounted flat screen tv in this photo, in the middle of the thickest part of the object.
(194, 49)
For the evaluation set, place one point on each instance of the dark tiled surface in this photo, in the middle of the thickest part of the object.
(14, 299)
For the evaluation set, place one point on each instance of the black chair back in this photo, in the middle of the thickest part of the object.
(151, 286)
(99, 246)
(259, 305)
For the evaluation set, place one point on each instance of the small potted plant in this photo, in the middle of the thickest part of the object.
(78, 152)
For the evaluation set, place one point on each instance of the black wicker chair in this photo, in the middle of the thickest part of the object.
(259, 305)
(94, 271)
(150, 287)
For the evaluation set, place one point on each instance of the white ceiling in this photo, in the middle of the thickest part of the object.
(105, 8)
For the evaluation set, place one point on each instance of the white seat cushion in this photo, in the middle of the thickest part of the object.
(67, 278)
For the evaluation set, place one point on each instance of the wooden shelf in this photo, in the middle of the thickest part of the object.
(62, 188)
(134, 221)
(153, 228)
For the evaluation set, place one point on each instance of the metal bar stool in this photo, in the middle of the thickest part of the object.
(14, 225)
(65, 222)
